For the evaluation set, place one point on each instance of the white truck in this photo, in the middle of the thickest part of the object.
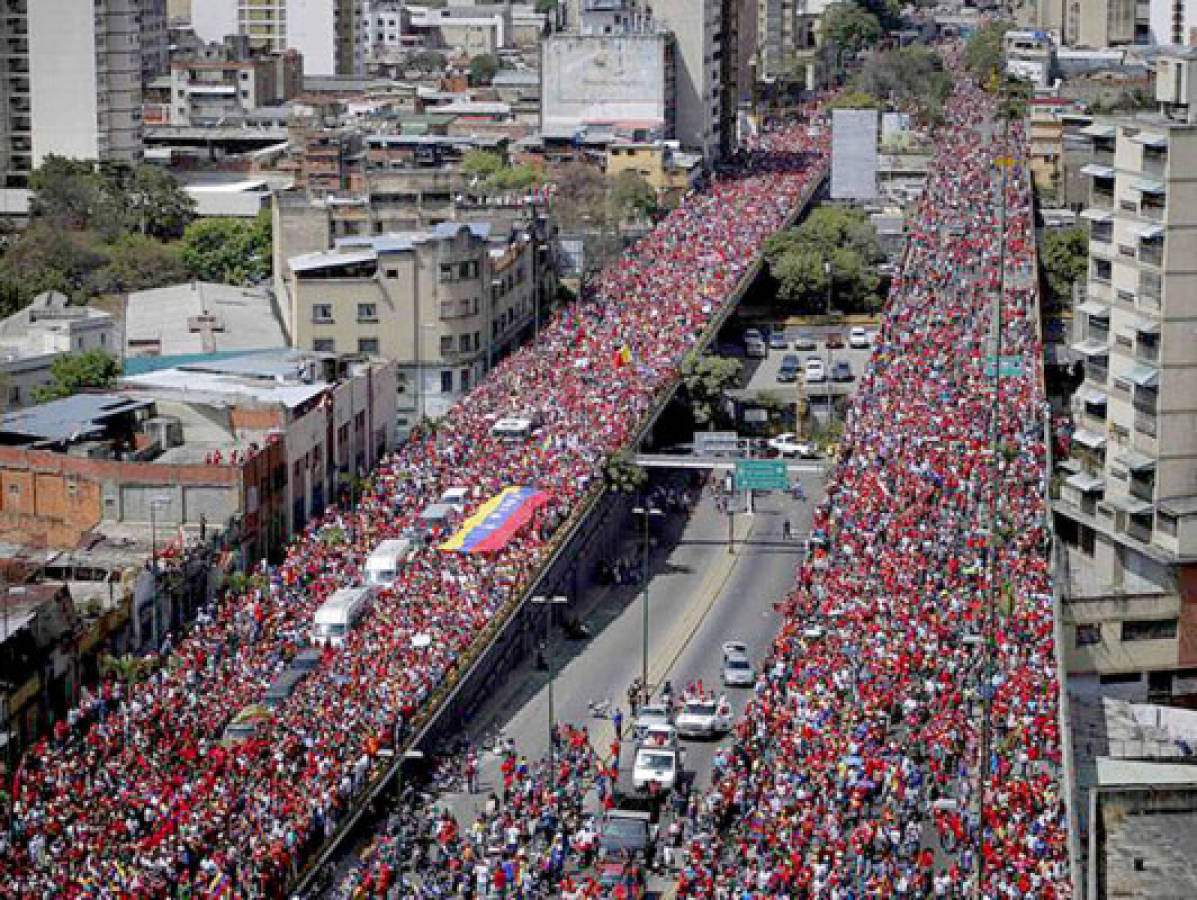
(337, 615)
(385, 561)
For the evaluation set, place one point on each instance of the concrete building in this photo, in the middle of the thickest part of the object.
(444, 303)
(83, 84)
(1174, 22)
(32, 338)
(155, 39)
(620, 85)
(198, 319)
(1096, 23)
(788, 40)
(697, 27)
(462, 28)
(1030, 55)
(1127, 508)
(211, 91)
(329, 34)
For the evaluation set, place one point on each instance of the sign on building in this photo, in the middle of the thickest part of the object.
(853, 154)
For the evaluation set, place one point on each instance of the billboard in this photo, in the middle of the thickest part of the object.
(853, 154)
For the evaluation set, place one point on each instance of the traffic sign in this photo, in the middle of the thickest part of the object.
(1006, 366)
(761, 475)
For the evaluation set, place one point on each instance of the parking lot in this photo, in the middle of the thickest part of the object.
(760, 374)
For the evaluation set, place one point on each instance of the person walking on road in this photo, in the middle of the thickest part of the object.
(786, 532)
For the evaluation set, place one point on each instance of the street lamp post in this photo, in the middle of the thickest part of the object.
(548, 603)
(155, 504)
(645, 512)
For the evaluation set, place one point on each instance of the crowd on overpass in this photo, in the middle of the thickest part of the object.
(857, 769)
(136, 794)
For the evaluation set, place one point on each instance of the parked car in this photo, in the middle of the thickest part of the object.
(859, 339)
(841, 370)
(752, 334)
(777, 341)
(790, 366)
(815, 371)
(805, 341)
(787, 444)
(737, 670)
(834, 340)
(755, 348)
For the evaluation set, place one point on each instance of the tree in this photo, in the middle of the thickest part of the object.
(841, 237)
(631, 196)
(912, 76)
(483, 68)
(850, 26)
(65, 192)
(1065, 261)
(983, 52)
(74, 372)
(137, 263)
(481, 163)
(707, 380)
(146, 199)
(428, 61)
(623, 476)
(228, 250)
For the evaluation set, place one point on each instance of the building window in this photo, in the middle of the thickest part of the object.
(322, 312)
(447, 273)
(392, 273)
(446, 344)
(367, 345)
(1101, 270)
(324, 345)
(14, 490)
(1149, 630)
(1165, 523)
(463, 343)
(367, 312)
(14, 395)
(1088, 634)
(446, 382)
(465, 379)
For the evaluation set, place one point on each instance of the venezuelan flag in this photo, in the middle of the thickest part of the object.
(497, 520)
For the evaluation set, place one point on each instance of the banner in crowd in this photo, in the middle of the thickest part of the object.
(497, 520)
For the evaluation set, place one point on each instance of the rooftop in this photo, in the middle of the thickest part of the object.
(68, 419)
(200, 317)
(351, 250)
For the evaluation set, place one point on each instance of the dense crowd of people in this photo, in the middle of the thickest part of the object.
(139, 795)
(857, 770)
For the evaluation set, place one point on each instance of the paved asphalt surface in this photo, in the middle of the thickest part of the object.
(761, 374)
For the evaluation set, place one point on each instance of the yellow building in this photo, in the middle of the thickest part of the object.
(663, 166)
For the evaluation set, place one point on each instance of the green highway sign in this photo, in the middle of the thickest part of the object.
(1006, 366)
(761, 475)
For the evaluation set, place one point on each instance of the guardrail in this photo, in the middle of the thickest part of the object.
(478, 657)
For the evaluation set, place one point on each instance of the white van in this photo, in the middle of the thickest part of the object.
(383, 564)
(338, 614)
(512, 430)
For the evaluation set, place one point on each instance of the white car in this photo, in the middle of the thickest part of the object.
(815, 371)
(703, 719)
(787, 444)
(737, 670)
(651, 715)
(659, 765)
(859, 339)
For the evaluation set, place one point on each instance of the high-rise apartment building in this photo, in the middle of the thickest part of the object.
(1127, 507)
(1096, 23)
(155, 39)
(84, 77)
(330, 34)
(697, 26)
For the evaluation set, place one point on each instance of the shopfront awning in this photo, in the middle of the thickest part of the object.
(1151, 139)
(1090, 347)
(1094, 308)
(1097, 130)
(1147, 326)
(1093, 214)
(1130, 505)
(1097, 170)
(1147, 186)
(1149, 232)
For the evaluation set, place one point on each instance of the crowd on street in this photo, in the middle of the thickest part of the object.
(139, 795)
(902, 736)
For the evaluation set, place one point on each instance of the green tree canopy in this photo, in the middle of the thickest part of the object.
(481, 163)
(850, 26)
(912, 76)
(483, 68)
(632, 196)
(707, 379)
(854, 100)
(428, 61)
(113, 198)
(228, 250)
(74, 372)
(837, 237)
(1065, 262)
(983, 52)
